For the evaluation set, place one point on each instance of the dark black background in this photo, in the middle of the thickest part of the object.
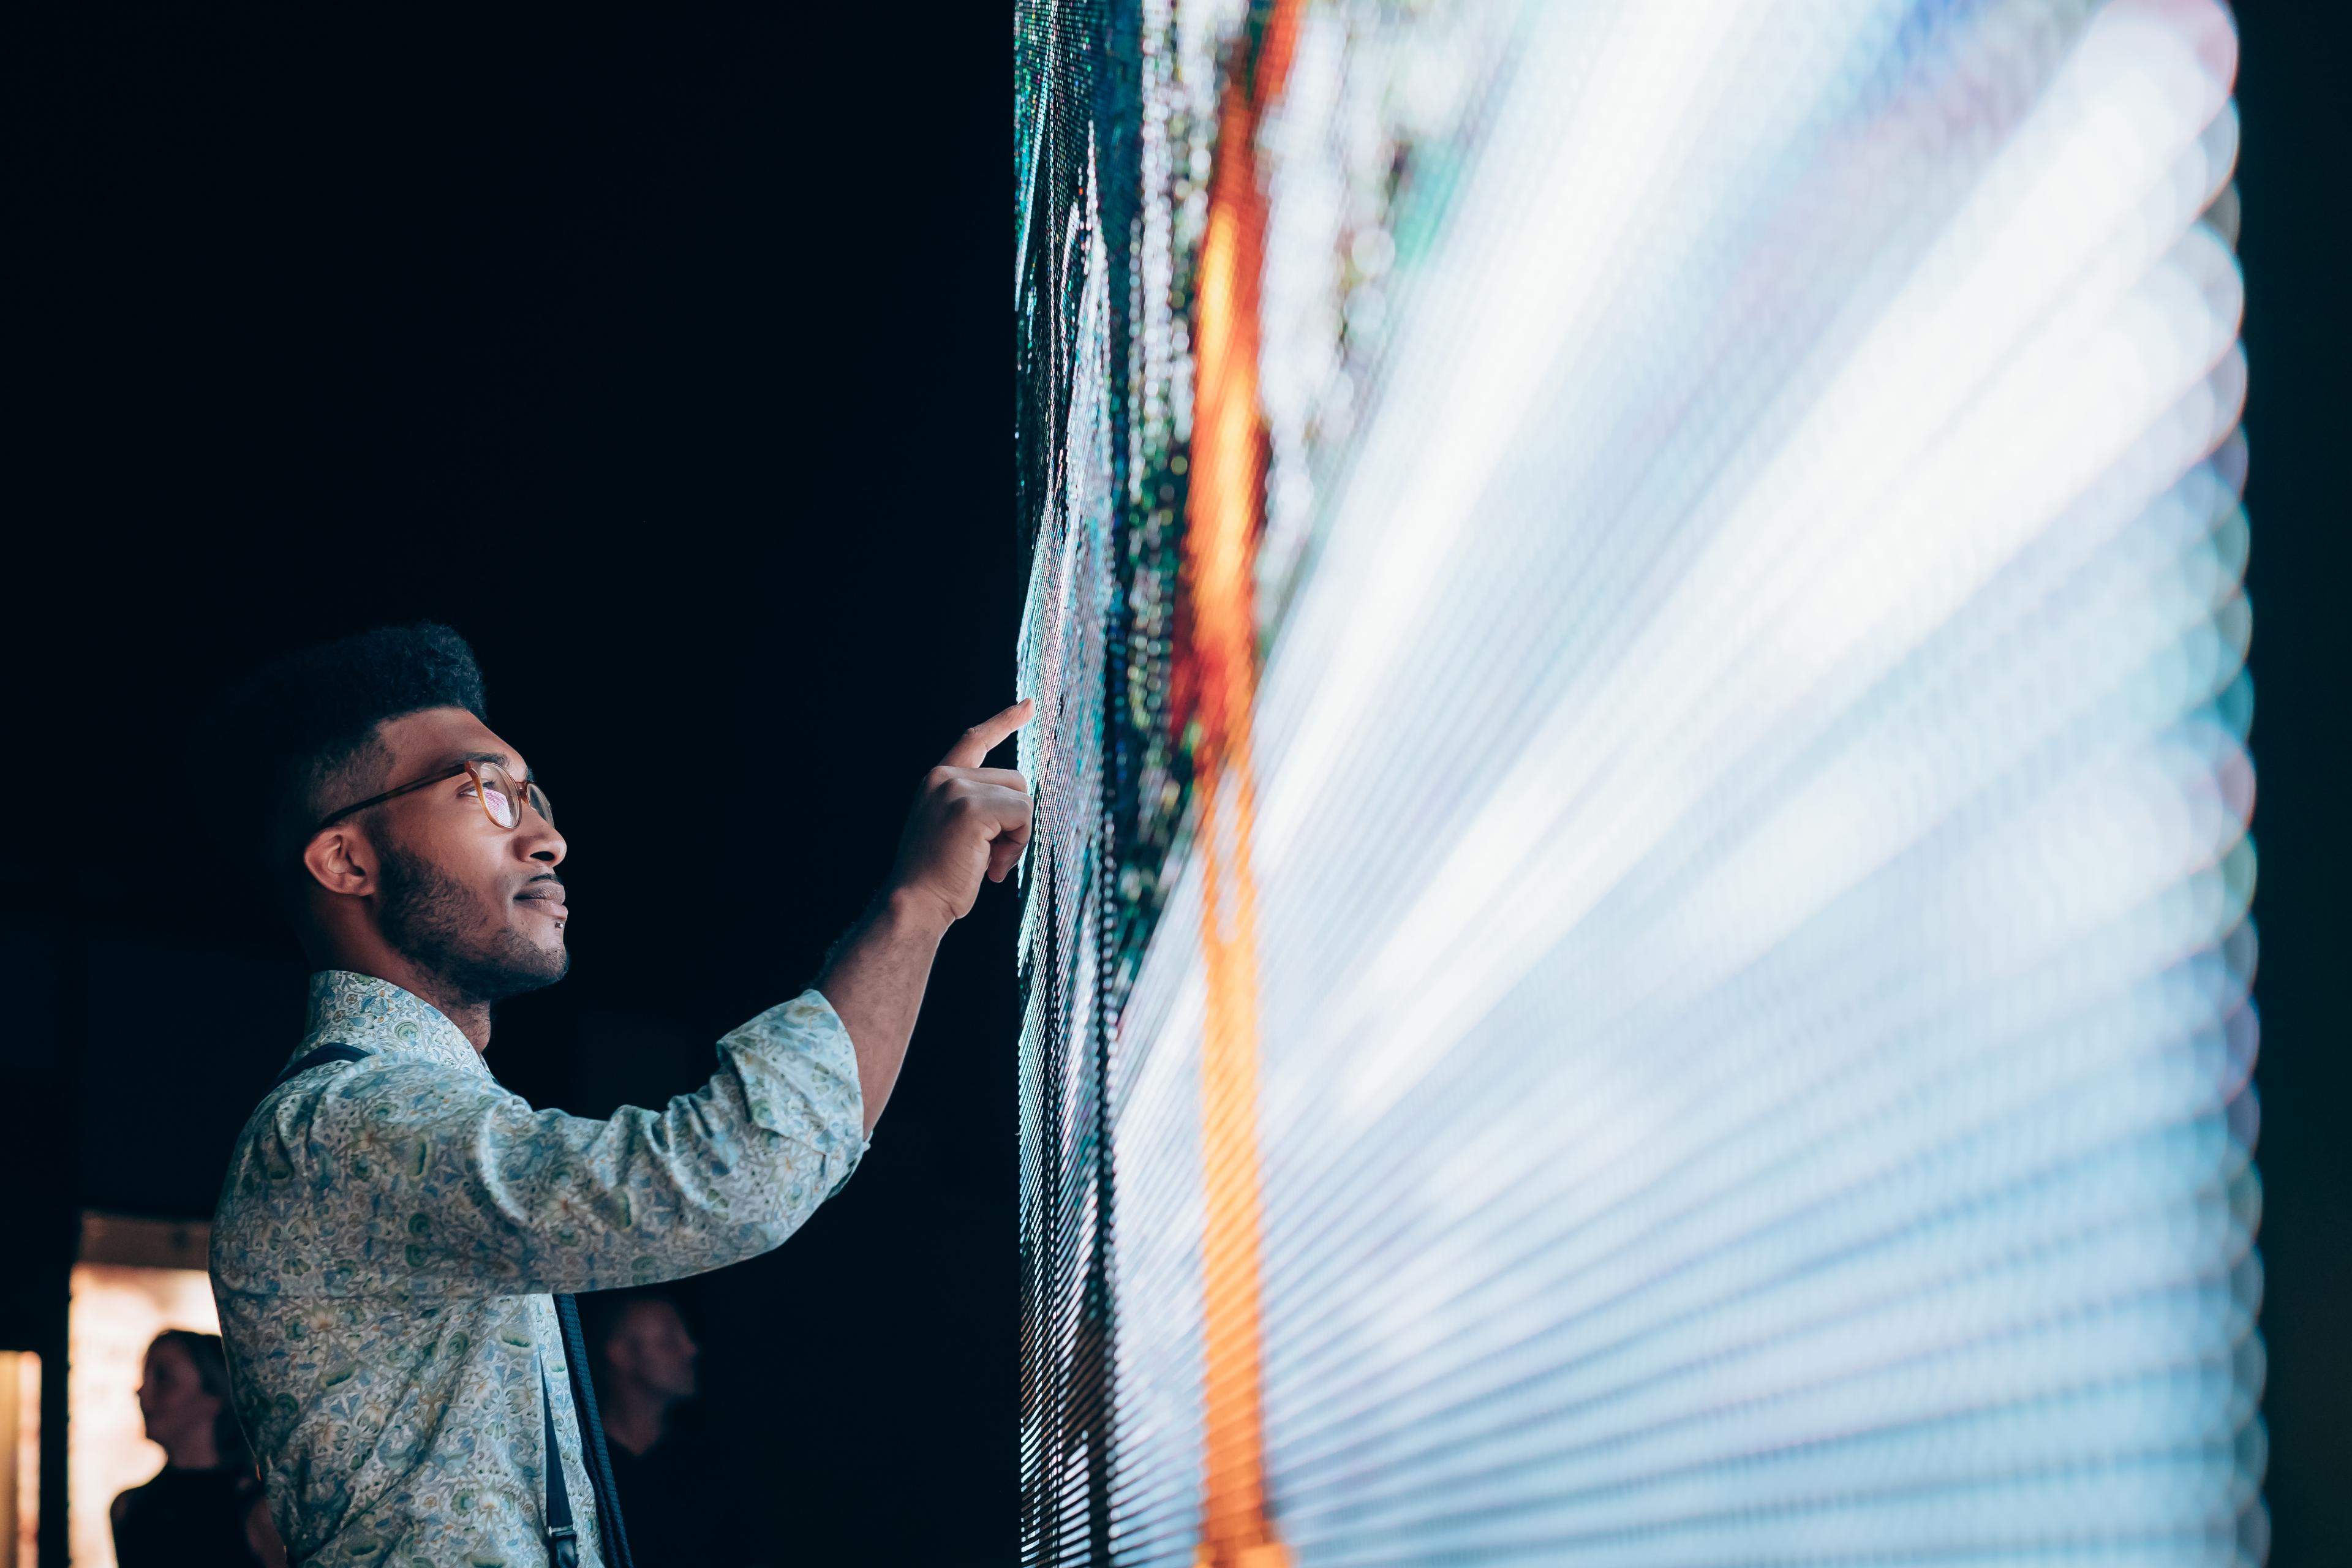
(2294, 89)
(669, 359)
(666, 357)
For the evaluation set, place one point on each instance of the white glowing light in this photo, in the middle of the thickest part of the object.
(1752, 860)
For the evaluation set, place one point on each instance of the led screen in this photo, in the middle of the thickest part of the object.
(1637, 949)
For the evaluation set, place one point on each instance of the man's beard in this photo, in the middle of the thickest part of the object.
(430, 917)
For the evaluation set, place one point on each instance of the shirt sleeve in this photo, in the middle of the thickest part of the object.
(436, 1179)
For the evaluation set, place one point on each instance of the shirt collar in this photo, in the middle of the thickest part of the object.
(376, 1015)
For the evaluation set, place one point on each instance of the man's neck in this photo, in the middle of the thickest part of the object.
(635, 1417)
(192, 1450)
(472, 1019)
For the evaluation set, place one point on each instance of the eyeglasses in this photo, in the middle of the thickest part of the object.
(502, 795)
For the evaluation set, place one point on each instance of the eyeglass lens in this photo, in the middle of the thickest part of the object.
(502, 797)
(498, 796)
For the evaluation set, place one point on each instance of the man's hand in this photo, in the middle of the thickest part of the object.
(969, 821)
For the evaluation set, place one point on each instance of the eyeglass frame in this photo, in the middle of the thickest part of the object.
(532, 795)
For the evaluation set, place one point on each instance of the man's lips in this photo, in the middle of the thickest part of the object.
(547, 898)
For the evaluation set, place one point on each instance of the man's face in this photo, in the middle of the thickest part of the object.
(171, 1398)
(651, 1344)
(478, 905)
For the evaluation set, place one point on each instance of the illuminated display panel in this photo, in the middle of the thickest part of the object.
(1637, 950)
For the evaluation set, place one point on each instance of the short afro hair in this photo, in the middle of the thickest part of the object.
(309, 719)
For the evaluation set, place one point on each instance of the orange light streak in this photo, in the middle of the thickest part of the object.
(1224, 517)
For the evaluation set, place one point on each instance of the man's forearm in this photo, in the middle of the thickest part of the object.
(874, 980)
(968, 825)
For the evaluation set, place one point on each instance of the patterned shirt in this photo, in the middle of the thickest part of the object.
(391, 1230)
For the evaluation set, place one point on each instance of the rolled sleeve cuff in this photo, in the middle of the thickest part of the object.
(806, 1047)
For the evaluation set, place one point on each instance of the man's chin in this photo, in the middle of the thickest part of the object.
(554, 964)
(518, 966)
(535, 947)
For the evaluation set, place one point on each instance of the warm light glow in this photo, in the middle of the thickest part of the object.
(1218, 666)
(116, 1310)
(20, 1484)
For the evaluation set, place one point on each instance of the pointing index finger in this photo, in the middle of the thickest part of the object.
(972, 748)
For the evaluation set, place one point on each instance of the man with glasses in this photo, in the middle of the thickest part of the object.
(398, 1237)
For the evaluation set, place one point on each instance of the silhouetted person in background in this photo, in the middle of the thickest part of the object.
(682, 1496)
(205, 1507)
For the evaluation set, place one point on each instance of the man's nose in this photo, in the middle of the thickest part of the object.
(540, 842)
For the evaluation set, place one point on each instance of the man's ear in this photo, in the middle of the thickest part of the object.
(340, 861)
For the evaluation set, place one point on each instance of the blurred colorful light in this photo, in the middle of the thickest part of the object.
(1742, 709)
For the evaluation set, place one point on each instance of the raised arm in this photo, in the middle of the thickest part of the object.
(411, 1170)
(968, 822)
(405, 1170)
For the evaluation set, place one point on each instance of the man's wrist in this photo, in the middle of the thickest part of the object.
(915, 912)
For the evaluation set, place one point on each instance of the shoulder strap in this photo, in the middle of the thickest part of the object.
(591, 1431)
(333, 1051)
(563, 1540)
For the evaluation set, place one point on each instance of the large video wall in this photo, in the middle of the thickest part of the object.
(1636, 952)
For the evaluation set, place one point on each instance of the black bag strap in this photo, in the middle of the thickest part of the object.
(563, 1540)
(591, 1431)
(333, 1051)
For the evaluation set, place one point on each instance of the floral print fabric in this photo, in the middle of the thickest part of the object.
(391, 1230)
